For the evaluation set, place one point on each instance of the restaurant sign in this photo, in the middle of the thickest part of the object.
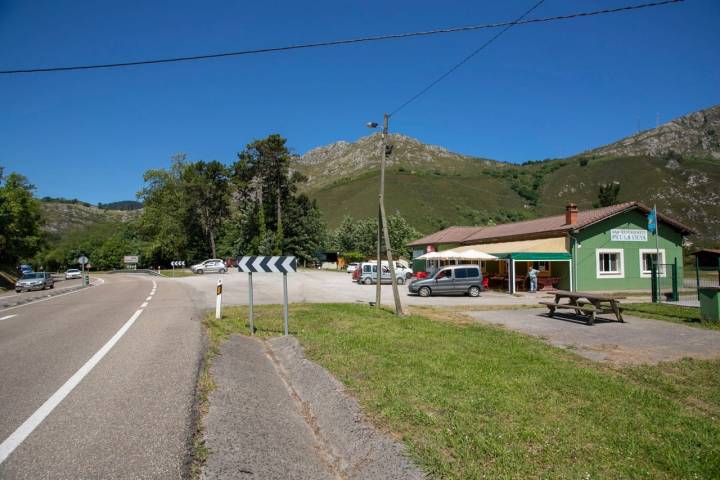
(625, 235)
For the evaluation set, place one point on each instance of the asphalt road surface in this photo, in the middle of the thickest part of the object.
(100, 383)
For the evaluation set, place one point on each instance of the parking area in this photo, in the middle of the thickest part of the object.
(322, 286)
(638, 340)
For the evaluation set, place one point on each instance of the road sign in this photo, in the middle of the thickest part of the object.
(278, 264)
(177, 263)
(131, 259)
(82, 260)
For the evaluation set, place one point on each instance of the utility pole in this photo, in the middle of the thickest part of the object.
(383, 228)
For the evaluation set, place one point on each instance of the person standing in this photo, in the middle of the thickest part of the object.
(532, 275)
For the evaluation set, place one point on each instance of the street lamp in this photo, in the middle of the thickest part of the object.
(382, 231)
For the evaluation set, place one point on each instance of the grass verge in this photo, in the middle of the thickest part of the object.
(669, 313)
(475, 401)
(176, 273)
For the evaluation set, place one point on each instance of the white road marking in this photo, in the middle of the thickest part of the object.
(24, 430)
(149, 298)
(7, 317)
(143, 305)
(44, 299)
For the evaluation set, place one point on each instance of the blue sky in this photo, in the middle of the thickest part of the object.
(541, 91)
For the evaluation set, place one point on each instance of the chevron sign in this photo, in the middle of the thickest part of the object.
(280, 264)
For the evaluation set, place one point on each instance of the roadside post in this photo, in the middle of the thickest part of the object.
(83, 260)
(275, 264)
(218, 300)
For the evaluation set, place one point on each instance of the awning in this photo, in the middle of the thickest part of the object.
(542, 249)
(470, 254)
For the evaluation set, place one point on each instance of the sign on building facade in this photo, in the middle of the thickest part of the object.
(627, 235)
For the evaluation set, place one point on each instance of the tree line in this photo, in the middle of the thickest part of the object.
(194, 210)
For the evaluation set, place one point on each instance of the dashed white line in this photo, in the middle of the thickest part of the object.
(144, 305)
(24, 430)
(6, 317)
(149, 298)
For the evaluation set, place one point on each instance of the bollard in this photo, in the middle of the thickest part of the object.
(218, 300)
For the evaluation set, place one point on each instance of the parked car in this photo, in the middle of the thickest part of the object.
(352, 267)
(211, 265)
(455, 279)
(368, 274)
(34, 281)
(72, 273)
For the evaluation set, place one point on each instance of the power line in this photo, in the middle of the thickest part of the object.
(331, 43)
(464, 60)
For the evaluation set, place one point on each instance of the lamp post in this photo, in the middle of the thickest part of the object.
(382, 232)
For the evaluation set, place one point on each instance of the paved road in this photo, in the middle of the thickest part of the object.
(130, 416)
(61, 284)
(318, 286)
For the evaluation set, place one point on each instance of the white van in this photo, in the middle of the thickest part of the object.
(368, 273)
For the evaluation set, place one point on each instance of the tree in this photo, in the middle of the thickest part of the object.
(207, 193)
(20, 219)
(608, 194)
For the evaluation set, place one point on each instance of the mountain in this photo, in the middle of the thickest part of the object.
(61, 216)
(695, 134)
(676, 166)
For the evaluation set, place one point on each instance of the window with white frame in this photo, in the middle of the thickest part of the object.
(610, 263)
(648, 256)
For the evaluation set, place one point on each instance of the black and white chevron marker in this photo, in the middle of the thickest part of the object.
(278, 264)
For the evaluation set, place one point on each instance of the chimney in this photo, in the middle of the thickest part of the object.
(571, 214)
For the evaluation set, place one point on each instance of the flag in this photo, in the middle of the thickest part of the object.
(652, 221)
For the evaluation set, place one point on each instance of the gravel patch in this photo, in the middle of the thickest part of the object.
(638, 340)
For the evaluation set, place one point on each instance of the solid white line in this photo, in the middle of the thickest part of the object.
(7, 317)
(19, 435)
(44, 299)
(143, 305)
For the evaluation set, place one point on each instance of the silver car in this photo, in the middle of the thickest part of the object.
(211, 265)
(368, 274)
(457, 279)
(34, 281)
(73, 273)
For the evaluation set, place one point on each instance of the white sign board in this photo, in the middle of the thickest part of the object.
(83, 260)
(131, 259)
(627, 235)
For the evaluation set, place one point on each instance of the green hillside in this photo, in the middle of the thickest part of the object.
(61, 217)
(676, 166)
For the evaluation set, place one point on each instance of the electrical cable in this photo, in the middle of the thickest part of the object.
(330, 43)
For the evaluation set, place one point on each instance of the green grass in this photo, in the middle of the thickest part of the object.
(669, 313)
(177, 273)
(475, 401)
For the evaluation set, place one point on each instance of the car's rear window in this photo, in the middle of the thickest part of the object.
(467, 273)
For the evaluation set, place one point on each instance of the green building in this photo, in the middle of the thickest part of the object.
(604, 249)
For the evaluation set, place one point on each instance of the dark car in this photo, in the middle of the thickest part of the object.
(34, 281)
(455, 279)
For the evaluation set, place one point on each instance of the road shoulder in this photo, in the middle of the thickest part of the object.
(275, 414)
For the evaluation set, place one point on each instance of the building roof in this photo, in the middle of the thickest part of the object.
(711, 251)
(539, 227)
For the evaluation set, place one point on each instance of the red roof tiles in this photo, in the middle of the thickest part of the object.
(537, 228)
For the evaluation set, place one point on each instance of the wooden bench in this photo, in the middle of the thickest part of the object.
(586, 303)
(585, 308)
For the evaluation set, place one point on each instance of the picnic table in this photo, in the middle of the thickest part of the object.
(586, 303)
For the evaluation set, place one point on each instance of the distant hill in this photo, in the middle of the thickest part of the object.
(123, 205)
(696, 134)
(676, 166)
(62, 216)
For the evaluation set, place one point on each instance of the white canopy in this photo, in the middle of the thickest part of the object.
(471, 255)
(431, 256)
